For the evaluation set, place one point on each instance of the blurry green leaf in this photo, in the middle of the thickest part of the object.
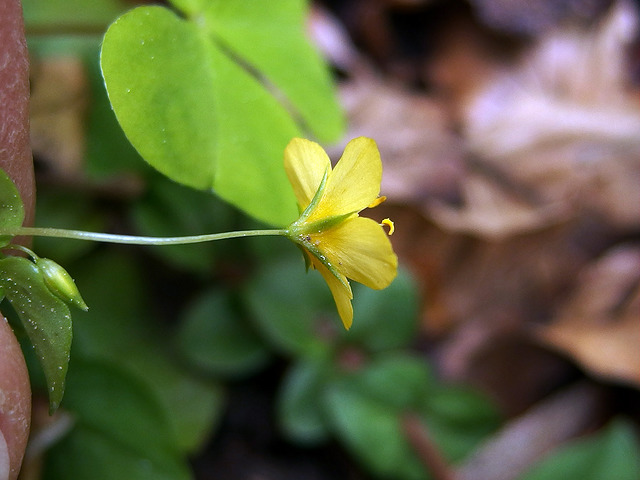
(612, 454)
(367, 409)
(88, 455)
(60, 209)
(120, 432)
(271, 37)
(215, 127)
(214, 337)
(370, 422)
(293, 309)
(11, 209)
(68, 27)
(45, 318)
(385, 319)
(458, 419)
(301, 402)
(60, 16)
(169, 209)
(118, 328)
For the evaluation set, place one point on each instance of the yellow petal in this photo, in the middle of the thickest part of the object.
(341, 292)
(355, 181)
(305, 163)
(360, 249)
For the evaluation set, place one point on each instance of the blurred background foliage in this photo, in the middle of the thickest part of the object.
(214, 360)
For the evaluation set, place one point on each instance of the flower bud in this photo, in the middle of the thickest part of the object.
(60, 283)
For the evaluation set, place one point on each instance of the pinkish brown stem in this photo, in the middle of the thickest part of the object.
(16, 160)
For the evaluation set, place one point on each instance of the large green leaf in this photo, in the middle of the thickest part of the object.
(120, 430)
(193, 107)
(46, 320)
(271, 37)
(119, 329)
(11, 208)
(215, 338)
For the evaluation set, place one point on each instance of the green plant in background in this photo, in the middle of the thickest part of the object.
(611, 454)
(361, 386)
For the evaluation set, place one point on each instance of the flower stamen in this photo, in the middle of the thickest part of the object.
(377, 201)
(389, 224)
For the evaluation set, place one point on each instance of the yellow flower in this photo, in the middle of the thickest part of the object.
(336, 241)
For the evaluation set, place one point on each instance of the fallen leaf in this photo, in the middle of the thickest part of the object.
(57, 113)
(598, 326)
(562, 127)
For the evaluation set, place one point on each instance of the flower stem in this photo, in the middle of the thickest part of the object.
(134, 239)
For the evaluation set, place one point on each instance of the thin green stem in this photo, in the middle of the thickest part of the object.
(134, 239)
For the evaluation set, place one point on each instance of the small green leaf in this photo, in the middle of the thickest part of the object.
(368, 418)
(215, 338)
(293, 309)
(301, 402)
(45, 318)
(612, 454)
(11, 208)
(385, 319)
(197, 115)
(458, 419)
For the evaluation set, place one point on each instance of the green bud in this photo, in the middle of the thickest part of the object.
(60, 283)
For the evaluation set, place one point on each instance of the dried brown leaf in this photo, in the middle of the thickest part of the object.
(421, 157)
(599, 326)
(58, 108)
(563, 127)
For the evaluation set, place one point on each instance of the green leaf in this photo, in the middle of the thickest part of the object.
(215, 338)
(293, 309)
(66, 14)
(195, 114)
(271, 37)
(64, 209)
(11, 208)
(121, 431)
(367, 409)
(612, 454)
(385, 319)
(458, 419)
(301, 402)
(108, 153)
(169, 209)
(46, 320)
(89, 455)
(119, 329)
(368, 418)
